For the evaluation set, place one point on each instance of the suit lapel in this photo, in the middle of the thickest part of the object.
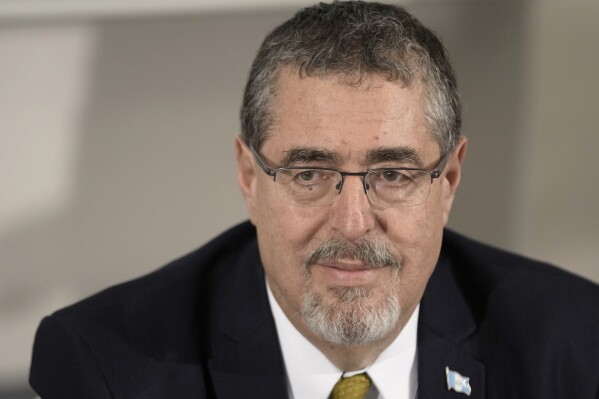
(435, 353)
(447, 338)
(247, 360)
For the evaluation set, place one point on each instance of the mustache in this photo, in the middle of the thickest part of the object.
(368, 251)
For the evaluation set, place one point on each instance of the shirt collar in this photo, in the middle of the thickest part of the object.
(311, 375)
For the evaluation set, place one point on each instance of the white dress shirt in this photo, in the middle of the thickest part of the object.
(310, 375)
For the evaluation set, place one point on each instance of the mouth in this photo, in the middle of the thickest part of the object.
(347, 265)
(337, 262)
(346, 272)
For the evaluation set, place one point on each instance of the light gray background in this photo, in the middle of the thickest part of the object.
(116, 141)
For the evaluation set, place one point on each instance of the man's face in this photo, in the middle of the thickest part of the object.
(347, 124)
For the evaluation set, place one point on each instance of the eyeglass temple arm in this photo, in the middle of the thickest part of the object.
(266, 169)
(442, 162)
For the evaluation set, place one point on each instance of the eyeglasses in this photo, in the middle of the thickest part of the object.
(384, 187)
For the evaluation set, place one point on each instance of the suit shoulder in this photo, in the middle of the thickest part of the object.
(167, 306)
(184, 273)
(516, 286)
(535, 322)
(150, 334)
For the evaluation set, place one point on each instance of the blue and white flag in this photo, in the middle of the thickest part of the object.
(457, 382)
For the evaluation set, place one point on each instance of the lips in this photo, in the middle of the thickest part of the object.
(348, 273)
(348, 265)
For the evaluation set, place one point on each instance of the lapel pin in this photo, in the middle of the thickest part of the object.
(457, 382)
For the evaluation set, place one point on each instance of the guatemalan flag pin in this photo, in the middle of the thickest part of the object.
(457, 382)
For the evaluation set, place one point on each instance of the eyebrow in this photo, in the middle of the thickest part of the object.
(394, 154)
(307, 155)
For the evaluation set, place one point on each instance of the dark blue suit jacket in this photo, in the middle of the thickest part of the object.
(201, 327)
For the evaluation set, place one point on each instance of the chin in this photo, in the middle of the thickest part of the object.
(350, 315)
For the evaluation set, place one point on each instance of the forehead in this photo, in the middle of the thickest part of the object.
(327, 112)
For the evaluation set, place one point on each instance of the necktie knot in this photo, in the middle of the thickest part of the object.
(354, 387)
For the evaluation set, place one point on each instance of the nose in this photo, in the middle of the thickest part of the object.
(352, 215)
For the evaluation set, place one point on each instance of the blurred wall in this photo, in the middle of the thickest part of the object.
(116, 142)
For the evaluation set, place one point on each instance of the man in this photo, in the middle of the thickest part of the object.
(345, 284)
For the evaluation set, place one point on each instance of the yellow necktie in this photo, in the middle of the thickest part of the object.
(354, 387)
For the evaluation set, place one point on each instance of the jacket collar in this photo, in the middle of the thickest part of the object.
(446, 338)
(247, 356)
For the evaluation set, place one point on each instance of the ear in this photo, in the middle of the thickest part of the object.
(452, 175)
(246, 176)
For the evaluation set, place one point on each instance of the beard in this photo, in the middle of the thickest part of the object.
(354, 315)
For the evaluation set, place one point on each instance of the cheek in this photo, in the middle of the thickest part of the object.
(288, 227)
(417, 235)
(286, 235)
(283, 268)
(414, 229)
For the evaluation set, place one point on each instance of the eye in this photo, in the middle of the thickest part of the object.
(310, 177)
(395, 176)
(392, 175)
(391, 178)
(307, 175)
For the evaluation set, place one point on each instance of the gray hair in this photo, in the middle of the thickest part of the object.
(356, 39)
